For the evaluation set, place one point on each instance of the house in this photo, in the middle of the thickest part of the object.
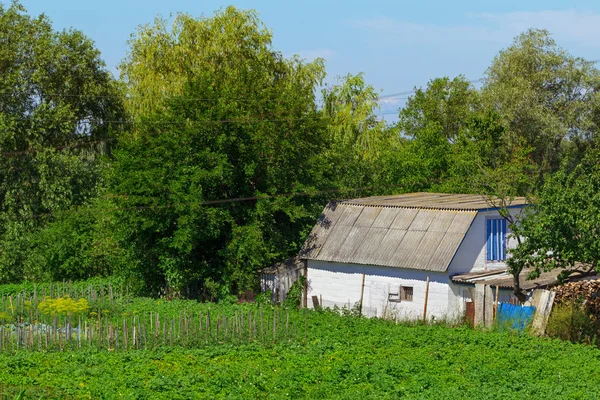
(393, 252)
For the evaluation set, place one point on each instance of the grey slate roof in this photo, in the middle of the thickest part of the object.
(434, 200)
(417, 231)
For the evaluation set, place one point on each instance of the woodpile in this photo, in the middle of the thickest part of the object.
(585, 292)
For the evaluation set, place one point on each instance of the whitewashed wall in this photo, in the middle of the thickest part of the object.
(471, 255)
(340, 284)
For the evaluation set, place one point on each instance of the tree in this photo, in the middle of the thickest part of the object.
(357, 140)
(226, 117)
(56, 103)
(448, 103)
(562, 229)
(546, 97)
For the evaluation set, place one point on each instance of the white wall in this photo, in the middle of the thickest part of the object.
(471, 255)
(340, 284)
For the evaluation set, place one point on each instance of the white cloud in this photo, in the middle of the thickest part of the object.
(565, 25)
(415, 33)
(578, 27)
(390, 102)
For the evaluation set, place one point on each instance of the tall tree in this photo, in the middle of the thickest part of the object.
(57, 101)
(226, 117)
(435, 122)
(546, 97)
(357, 139)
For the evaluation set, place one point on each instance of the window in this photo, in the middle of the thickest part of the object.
(496, 239)
(406, 293)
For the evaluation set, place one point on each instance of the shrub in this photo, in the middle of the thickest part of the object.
(570, 321)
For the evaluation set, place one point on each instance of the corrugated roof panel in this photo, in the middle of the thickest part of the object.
(354, 239)
(419, 258)
(349, 214)
(422, 220)
(408, 245)
(318, 236)
(367, 216)
(368, 250)
(388, 247)
(436, 201)
(445, 252)
(442, 221)
(461, 222)
(404, 218)
(334, 241)
(386, 217)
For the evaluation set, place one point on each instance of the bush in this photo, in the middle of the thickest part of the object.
(570, 321)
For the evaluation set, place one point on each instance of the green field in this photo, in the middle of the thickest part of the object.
(305, 354)
(342, 359)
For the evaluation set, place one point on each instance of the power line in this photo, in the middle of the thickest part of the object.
(215, 202)
(395, 95)
(409, 92)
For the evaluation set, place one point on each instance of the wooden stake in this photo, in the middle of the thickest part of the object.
(496, 303)
(426, 298)
(362, 292)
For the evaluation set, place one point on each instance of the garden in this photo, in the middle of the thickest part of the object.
(95, 340)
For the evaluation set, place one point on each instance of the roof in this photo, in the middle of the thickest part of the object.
(504, 279)
(417, 231)
(442, 201)
(290, 264)
(388, 236)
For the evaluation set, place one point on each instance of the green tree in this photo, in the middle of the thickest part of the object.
(227, 117)
(436, 125)
(357, 139)
(56, 103)
(562, 229)
(546, 97)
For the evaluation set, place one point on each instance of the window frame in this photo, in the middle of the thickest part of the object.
(404, 296)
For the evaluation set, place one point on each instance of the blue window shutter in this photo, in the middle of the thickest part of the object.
(496, 239)
(490, 239)
(503, 239)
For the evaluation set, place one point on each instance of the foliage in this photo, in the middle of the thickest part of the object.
(570, 321)
(294, 295)
(343, 357)
(260, 148)
(63, 306)
(546, 97)
(56, 98)
(561, 229)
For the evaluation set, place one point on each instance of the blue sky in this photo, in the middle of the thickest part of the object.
(397, 44)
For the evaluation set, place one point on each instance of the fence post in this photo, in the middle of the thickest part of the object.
(426, 298)
(362, 292)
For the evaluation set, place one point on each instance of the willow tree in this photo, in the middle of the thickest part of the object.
(219, 114)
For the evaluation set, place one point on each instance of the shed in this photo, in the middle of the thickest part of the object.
(279, 278)
(396, 244)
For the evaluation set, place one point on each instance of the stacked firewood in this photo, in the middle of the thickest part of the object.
(586, 293)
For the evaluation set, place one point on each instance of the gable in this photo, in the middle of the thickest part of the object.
(403, 237)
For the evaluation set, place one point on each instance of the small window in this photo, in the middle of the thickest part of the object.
(406, 293)
(496, 239)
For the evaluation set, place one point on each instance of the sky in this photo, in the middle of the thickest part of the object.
(397, 44)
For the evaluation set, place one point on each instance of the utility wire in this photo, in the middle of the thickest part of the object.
(205, 203)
